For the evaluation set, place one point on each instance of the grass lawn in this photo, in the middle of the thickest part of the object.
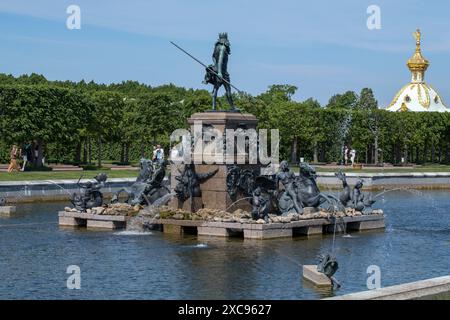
(89, 174)
(435, 168)
(58, 175)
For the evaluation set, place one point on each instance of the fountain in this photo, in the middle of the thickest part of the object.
(219, 186)
(221, 199)
(261, 209)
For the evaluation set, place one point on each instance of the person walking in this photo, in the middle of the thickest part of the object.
(13, 165)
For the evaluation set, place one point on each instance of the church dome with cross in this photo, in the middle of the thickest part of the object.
(418, 96)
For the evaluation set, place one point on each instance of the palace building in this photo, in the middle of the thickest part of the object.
(417, 96)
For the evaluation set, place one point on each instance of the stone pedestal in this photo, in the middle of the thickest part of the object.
(204, 155)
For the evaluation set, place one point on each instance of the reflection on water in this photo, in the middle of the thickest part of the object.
(35, 254)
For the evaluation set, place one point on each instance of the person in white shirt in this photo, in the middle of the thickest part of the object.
(158, 154)
(352, 156)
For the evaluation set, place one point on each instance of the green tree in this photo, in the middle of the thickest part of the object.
(367, 100)
(43, 114)
(278, 93)
(105, 124)
(347, 100)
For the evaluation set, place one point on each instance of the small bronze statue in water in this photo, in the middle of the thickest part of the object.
(354, 199)
(217, 73)
(328, 265)
(90, 195)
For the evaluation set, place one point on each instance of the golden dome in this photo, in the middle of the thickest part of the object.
(417, 62)
(418, 96)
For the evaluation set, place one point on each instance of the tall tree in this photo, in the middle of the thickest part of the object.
(367, 100)
(347, 100)
(109, 107)
(278, 93)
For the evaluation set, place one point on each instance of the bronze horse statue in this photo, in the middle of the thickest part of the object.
(307, 190)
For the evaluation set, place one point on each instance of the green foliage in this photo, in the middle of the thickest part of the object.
(367, 100)
(83, 122)
(278, 93)
(347, 100)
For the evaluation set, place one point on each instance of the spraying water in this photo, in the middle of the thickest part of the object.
(141, 223)
(231, 205)
(59, 186)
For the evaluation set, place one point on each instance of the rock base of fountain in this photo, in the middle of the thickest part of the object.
(116, 209)
(319, 279)
(242, 216)
(6, 211)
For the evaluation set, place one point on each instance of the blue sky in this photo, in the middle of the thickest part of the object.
(322, 47)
